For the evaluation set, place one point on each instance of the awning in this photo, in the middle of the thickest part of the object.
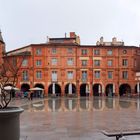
(36, 88)
(10, 87)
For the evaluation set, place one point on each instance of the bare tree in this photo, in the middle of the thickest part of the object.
(9, 72)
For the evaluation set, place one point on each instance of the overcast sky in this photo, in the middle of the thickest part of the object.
(25, 22)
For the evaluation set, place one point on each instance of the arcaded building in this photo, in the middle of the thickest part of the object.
(63, 67)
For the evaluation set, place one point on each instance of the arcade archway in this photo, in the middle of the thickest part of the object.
(84, 90)
(109, 90)
(124, 90)
(25, 89)
(137, 88)
(70, 89)
(54, 88)
(39, 85)
(39, 93)
(97, 89)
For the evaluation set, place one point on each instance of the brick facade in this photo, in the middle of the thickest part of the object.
(62, 66)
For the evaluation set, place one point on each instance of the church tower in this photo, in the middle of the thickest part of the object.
(2, 48)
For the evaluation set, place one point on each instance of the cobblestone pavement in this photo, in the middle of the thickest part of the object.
(78, 119)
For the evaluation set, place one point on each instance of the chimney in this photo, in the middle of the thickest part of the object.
(72, 35)
(48, 39)
(114, 40)
(97, 43)
(101, 40)
(65, 35)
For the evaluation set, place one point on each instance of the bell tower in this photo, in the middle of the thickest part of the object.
(2, 48)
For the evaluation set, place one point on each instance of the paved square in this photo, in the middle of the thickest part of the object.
(78, 119)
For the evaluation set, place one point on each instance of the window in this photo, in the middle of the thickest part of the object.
(96, 52)
(109, 63)
(70, 61)
(84, 51)
(97, 74)
(53, 50)
(96, 62)
(25, 62)
(54, 61)
(84, 75)
(124, 51)
(54, 75)
(70, 50)
(109, 52)
(84, 62)
(25, 75)
(38, 62)
(70, 74)
(110, 74)
(125, 62)
(38, 51)
(125, 75)
(38, 74)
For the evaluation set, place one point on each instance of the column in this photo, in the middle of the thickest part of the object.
(138, 88)
(53, 88)
(99, 89)
(70, 89)
(114, 89)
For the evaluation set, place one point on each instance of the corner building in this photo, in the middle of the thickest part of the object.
(64, 67)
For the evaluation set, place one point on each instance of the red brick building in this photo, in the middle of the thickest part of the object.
(63, 67)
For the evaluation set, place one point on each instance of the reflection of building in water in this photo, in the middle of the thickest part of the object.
(70, 104)
(97, 103)
(85, 104)
(54, 104)
(82, 104)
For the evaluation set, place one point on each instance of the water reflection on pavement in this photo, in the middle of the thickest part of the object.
(79, 118)
(82, 104)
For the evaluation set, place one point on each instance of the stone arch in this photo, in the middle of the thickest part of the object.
(125, 90)
(70, 88)
(25, 89)
(97, 89)
(54, 88)
(39, 93)
(39, 85)
(137, 88)
(109, 90)
(84, 89)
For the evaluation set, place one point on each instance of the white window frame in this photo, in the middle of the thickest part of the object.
(70, 61)
(39, 74)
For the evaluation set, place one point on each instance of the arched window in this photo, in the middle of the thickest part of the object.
(25, 75)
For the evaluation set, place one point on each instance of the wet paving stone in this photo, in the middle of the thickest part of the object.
(79, 119)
